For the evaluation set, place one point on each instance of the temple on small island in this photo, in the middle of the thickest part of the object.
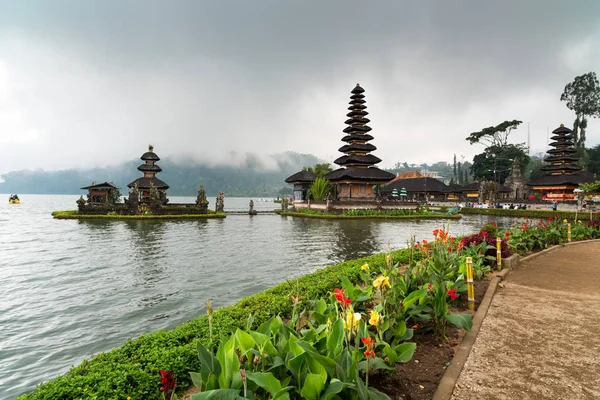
(357, 176)
(149, 180)
(563, 174)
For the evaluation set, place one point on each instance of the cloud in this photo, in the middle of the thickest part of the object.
(92, 83)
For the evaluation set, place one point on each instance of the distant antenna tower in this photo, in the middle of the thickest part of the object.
(528, 140)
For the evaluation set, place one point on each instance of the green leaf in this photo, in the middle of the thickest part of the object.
(244, 341)
(196, 379)
(413, 298)
(391, 354)
(219, 394)
(265, 380)
(462, 321)
(399, 329)
(405, 351)
(335, 341)
(375, 394)
(229, 362)
(249, 322)
(375, 363)
(283, 393)
(334, 387)
(313, 386)
(208, 362)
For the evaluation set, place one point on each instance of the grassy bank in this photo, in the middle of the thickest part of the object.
(74, 214)
(530, 213)
(131, 371)
(318, 214)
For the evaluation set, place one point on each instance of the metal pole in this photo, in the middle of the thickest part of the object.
(499, 253)
(470, 287)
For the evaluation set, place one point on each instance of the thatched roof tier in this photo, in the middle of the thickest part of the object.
(355, 113)
(301, 177)
(358, 89)
(357, 129)
(149, 168)
(144, 183)
(364, 147)
(568, 150)
(150, 155)
(357, 120)
(562, 167)
(416, 185)
(372, 175)
(454, 188)
(367, 159)
(562, 179)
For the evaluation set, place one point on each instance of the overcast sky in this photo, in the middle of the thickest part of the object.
(89, 83)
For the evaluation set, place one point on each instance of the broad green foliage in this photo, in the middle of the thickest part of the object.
(531, 235)
(570, 215)
(320, 189)
(132, 369)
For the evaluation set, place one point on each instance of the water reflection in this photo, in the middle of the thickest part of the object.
(354, 239)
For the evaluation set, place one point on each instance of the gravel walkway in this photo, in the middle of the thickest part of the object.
(541, 336)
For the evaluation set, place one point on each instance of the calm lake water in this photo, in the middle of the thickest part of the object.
(74, 288)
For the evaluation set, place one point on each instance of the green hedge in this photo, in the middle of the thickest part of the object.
(334, 216)
(132, 369)
(530, 213)
(74, 214)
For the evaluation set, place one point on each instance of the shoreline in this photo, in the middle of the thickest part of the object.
(333, 216)
(73, 214)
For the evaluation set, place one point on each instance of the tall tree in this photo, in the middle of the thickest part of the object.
(460, 174)
(454, 176)
(319, 169)
(494, 135)
(582, 96)
(495, 162)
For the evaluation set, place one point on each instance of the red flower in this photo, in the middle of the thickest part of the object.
(369, 354)
(507, 234)
(452, 294)
(484, 234)
(341, 297)
(429, 286)
(495, 223)
(549, 219)
(368, 341)
(415, 326)
(168, 383)
(449, 249)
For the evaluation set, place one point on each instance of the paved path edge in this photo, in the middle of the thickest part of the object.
(446, 386)
(448, 382)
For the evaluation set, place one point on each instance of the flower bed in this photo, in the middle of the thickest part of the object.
(373, 214)
(570, 215)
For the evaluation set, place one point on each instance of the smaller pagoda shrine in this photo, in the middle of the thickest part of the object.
(149, 180)
(357, 176)
(516, 182)
(301, 181)
(563, 173)
(100, 193)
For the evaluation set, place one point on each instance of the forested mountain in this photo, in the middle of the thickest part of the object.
(255, 176)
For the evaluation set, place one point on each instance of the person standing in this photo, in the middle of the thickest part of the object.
(554, 205)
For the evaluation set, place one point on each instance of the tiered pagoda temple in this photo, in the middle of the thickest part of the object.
(355, 180)
(563, 174)
(150, 169)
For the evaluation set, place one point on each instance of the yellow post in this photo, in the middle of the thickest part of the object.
(470, 287)
(569, 232)
(499, 253)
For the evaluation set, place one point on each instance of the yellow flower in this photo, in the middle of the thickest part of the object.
(565, 220)
(128, 397)
(375, 318)
(365, 267)
(352, 320)
(388, 259)
(381, 281)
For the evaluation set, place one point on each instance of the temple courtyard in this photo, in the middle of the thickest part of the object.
(540, 338)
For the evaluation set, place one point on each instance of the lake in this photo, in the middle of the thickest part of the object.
(74, 288)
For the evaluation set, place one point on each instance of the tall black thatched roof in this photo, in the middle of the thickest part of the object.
(416, 185)
(100, 186)
(144, 183)
(373, 175)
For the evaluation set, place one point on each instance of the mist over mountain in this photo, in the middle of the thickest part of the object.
(243, 175)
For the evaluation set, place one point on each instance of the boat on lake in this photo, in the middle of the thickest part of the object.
(14, 199)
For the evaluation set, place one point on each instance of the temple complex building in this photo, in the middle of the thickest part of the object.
(301, 181)
(563, 174)
(149, 180)
(100, 193)
(355, 180)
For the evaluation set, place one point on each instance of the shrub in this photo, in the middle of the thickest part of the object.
(490, 240)
(491, 229)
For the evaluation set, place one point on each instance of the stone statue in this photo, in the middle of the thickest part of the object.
(134, 199)
(202, 201)
(81, 203)
(220, 203)
(284, 204)
(328, 204)
(252, 211)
